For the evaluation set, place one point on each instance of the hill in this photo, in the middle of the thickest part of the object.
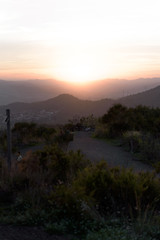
(29, 91)
(149, 98)
(13, 91)
(118, 88)
(64, 107)
(56, 110)
(40, 90)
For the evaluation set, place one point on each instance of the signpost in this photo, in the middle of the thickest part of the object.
(9, 144)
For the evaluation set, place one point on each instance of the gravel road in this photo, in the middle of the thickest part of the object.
(96, 150)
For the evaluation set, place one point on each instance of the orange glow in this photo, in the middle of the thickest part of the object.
(79, 41)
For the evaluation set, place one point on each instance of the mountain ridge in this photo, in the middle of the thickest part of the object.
(65, 106)
(150, 98)
(41, 90)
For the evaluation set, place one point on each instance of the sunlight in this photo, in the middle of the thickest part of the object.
(79, 41)
(79, 69)
(79, 73)
(80, 65)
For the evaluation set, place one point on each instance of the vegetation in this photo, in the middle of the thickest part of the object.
(79, 124)
(68, 194)
(26, 135)
(65, 193)
(138, 130)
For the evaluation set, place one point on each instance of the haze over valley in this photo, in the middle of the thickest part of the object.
(65, 107)
(39, 90)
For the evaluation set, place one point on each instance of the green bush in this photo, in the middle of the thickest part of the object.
(150, 149)
(116, 233)
(54, 164)
(132, 141)
(77, 162)
(67, 200)
(101, 131)
(118, 191)
(110, 233)
(57, 228)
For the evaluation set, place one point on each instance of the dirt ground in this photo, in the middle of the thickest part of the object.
(97, 149)
(27, 233)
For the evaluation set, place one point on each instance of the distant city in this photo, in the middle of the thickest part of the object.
(39, 117)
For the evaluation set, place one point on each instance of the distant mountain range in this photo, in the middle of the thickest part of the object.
(40, 90)
(64, 107)
(149, 98)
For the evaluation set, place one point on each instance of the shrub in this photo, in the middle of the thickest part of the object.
(110, 233)
(77, 162)
(53, 165)
(119, 191)
(150, 149)
(101, 131)
(132, 141)
(146, 146)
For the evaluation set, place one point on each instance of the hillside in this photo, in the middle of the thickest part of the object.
(149, 98)
(56, 110)
(64, 107)
(118, 88)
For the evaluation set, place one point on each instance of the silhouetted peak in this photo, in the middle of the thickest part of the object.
(66, 98)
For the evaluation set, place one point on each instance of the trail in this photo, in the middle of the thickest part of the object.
(96, 150)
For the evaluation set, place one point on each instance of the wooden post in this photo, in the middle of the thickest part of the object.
(9, 145)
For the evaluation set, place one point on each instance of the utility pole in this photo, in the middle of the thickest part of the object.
(9, 145)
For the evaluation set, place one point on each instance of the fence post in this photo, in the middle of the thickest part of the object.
(9, 145)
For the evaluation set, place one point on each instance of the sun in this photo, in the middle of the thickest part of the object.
(79, 68)
(79, 72)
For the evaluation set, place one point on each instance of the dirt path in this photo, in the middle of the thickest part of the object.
(96, 150)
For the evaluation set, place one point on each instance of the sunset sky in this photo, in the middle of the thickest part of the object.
(79, 40)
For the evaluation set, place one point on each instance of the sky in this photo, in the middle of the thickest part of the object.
(79, 40)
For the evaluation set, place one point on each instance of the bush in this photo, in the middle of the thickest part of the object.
(119, 191)
(146, 146)
(101, 131)
(150, 149)
(132, 141)
(110, 233)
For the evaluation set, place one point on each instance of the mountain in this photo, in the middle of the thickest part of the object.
(149, 98)
(118, 88)
(28, 91)
(56, 110)
(12, 91)
(40, 90)
(64, 107)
